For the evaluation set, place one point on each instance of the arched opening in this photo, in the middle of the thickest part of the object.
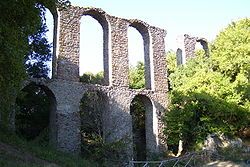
(141, 110)
(51, 21)
(136, 59)
(35, 113)
(203, 46)
(94, 57)
(38, 61)
(92, 107)
(179, 57)
(199, 51)
(139, 56)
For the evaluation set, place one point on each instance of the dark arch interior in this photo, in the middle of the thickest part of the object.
(140, 110)
(35, 110)
(92, 108)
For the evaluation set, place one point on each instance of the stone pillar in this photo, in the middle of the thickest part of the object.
(69, 40)
(151, 127)
(55, 43)
(117, 121)
(189, 44)
(179, 57)
(119, 52)
(68, 133)
(66, 130)
(159, 59)
(160, 100)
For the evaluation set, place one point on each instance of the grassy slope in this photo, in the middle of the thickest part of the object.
(20, 153)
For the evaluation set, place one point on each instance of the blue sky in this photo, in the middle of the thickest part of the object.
(195, 17)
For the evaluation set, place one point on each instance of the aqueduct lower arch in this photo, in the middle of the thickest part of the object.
(68, 91)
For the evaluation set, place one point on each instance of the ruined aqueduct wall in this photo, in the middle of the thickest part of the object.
(68, 91)
(116, 65)
(186, 48)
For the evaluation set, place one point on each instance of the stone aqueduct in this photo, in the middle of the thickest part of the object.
(66, 90)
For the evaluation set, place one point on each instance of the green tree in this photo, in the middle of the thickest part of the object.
(231, 50)
(136, 76)
(211, 95)
(91, 78)
(32, 103)
(39, 53)
(171, 62)
(32, 114)
(19, 20)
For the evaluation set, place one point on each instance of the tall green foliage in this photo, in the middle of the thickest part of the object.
(231, 50)
(15, 27)
(32, 114)
(211, 95)
(39, 52)
(19, 20)
(231, 57)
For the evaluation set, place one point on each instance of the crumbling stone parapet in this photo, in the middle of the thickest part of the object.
(186, 48)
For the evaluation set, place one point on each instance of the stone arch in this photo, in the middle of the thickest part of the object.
(144, 31)
(191, 44)
(204, 45)
(93, 108)
(146, 136)
(118, 119)
(100, 16)
(52, 108)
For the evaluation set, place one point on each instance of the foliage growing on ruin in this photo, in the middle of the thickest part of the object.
(211, 94)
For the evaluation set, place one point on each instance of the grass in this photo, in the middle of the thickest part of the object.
(234, 154)
(9, 161)
(44, 152)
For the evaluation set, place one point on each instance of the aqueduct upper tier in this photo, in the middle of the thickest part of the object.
(115, 48)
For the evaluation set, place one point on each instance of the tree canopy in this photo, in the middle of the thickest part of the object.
(21, 30)
(136, 76)
(211, 95)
